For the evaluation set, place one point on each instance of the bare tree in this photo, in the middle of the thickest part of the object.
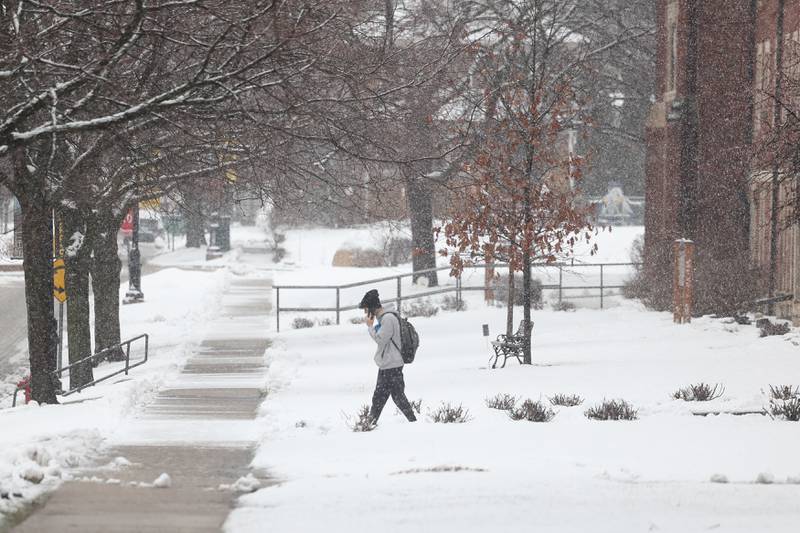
(68, 68)
(535, 62)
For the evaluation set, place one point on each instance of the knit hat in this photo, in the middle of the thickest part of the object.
(370, 300)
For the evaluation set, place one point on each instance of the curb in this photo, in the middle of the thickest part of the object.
(11, 267)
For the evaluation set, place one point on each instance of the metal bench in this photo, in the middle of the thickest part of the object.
(507, 346)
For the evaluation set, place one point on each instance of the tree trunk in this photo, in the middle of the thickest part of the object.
(526, 308)
(420, 208)
(37, 249)
(194, 219)
(106, 269)
(510, 313)
(77, 257)
(526, 279)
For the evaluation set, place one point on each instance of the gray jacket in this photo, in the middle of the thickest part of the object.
(385, 330)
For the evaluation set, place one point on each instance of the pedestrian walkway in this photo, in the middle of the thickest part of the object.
(199, 430)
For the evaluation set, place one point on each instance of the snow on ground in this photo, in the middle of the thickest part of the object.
(50, 440)
(310, 255)
(569, 475)
(183, 257)
(42, 445)
(6, 243)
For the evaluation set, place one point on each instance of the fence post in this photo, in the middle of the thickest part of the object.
(399, 293)
(337, 306)
(278, 309)
(458, 292)
(601, 286)
(560, 281)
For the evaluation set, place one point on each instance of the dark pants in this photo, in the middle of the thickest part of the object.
(390, 383)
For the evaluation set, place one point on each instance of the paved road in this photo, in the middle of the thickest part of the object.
(13, 326)
(13, 329)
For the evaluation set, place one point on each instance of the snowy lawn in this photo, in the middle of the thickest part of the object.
(568, 475)
(40, 444)
(310, 255)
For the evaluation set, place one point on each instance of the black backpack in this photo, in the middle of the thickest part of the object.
(409, 339)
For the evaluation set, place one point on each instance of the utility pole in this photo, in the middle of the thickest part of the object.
(134, 294)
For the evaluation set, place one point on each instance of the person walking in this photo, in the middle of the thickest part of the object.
(384, 328)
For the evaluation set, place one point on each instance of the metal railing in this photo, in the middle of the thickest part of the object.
(458, 287)
(125, 346)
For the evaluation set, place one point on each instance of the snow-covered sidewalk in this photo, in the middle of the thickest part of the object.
(193, 440)
(40, 444)
(667, 471)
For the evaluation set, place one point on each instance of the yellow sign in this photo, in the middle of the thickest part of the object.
(153, 203)
(60, 280)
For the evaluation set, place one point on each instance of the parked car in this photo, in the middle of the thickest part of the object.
(150, 229)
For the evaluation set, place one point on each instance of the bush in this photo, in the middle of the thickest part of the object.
(362, 421)
(302, 323)
(783, 392)
(424, 308)
(700, 392)
(500, 288)
(786, 409)
(278, 251)
(612, 410)
(504, 402)
(768, 328)
(449, 414)
(563, 306)
(415, 405)
(566, 400)
(358, 320)
(642, 287)
(325, 322)
(636, 288)
(451, 303)
(278, 254)
(532, 412)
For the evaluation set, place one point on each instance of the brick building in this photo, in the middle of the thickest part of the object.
(699, 135)
(777, 49)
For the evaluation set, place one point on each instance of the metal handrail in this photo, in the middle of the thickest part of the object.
(440, 269)
(89, 359)
(457, 288)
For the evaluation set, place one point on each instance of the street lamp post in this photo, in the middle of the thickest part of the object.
(134, 294)
(213, 251)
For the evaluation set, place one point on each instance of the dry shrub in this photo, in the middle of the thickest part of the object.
(566, 400)
(451, 303)
(612, 410)
(785, 409)
(503, 402)
(783, 392)
(699, 392)
(532, 412)
(424, 308)
(449, 414)
(362, 421)
(302, 323)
